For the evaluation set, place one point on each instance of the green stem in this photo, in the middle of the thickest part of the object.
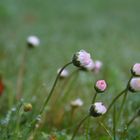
(78, 126)
(94, 97)
(21, 75)
(114, 122)
(115, 99)
(131, 120)
(48, 98)
(107, 131)
(51, 92)
(122, 105)
(17, 125)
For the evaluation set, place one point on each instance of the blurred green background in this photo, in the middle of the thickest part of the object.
(109, 30)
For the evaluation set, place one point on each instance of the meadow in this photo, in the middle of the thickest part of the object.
(109, 30)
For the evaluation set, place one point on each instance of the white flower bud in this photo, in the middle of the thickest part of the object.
(64, 73)
(136, 69)
(77, 103)
(97, 109)
(81, 59)
(134, 84)
(98, 66)
(33, 41)
(90, 66)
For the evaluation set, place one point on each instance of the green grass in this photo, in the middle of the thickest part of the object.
(108, 29)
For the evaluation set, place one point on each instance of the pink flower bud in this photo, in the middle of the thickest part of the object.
(97, 109)
(81, 59)
(134, 85)
(98, 66)
(136, 69)
(90, 66)
(100, 86)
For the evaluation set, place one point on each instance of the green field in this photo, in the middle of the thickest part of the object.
(109, 30)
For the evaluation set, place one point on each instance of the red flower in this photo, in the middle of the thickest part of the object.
(1, 87)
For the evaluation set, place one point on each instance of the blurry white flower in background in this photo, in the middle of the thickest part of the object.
(33, 41)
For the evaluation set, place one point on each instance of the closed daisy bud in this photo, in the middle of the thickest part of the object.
(98, 66)
(100, 86)
(81, 59)
(134, 84)
(97, 109)
(136, 69)
(33, 41)
(90, 66)
(64, 73)
(76, 103)
(27, 107)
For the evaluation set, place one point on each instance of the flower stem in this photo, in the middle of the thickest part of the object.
(114, 122)
(51, 92)
(107, 131)
(21, 75)
(78, 126)
(115, 99)
(46, 102)
(122, 105)
(94, 97)
(131, 120)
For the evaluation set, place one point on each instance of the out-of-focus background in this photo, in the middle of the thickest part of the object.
(109, 30)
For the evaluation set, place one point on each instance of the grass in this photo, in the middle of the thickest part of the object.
(108, 29)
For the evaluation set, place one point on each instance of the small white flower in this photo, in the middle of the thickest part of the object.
(136, 69)
(98, 66)
(77, 103)
(33, 41)
(135, 84)
(97, 109)
(81, 59)
(64, 73)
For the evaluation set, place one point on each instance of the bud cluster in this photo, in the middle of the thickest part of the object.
(134, 84)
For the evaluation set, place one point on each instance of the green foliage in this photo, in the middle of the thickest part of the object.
(108, 29)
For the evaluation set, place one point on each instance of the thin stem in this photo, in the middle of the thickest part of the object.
(107, 131)
(114, 122)
(94, 97)
(122, 105)
(78, 126)
(115, 99)
(21, 75)
(47, 99)
(131, 120)
(51, 92)
(87, 129)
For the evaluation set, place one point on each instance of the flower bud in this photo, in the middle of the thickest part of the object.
(64, 73)
(98, 66)
(90, 66)
(81, 59)
(27, 107)
(134, 84)
(100, 86)
(97, 109)
(76, 103)
(33, 41)
(136, 69)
